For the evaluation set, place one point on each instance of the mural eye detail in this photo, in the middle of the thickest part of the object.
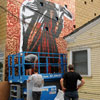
(41, 3)
(46, 28)
(66, 6)
(56, 18)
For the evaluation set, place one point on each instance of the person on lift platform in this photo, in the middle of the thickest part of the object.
(30, 58)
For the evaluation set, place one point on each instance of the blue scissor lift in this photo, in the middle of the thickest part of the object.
(50, 65)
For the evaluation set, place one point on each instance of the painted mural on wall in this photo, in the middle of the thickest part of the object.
(38, 25)
(41, 23)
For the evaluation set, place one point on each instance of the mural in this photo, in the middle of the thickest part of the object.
(41, 24)
(38, 25)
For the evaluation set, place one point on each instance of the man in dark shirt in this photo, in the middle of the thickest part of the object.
(69, 84)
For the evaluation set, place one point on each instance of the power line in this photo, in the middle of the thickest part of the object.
(8, 12)
(19, 18)
(30, 9)
(34, 10)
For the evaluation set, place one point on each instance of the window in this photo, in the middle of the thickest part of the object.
(81, 60)
(1, 66)
(85, 2)
(74, 26)
(91, 0)
(95, 14)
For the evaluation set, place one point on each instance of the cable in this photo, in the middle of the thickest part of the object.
(33, 10)
(8, 11)
(19, 18)
(28, 8)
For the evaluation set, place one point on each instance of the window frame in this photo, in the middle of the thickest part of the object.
(88, 59)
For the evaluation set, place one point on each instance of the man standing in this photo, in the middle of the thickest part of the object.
(69, 84)
(37, 83)
(30, 58)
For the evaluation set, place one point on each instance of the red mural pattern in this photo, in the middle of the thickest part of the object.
(13, 27)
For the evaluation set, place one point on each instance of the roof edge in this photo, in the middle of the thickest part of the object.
(76, 30)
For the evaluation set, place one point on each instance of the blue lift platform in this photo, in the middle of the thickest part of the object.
(50, 65)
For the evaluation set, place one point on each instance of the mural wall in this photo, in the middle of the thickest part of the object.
(39, 25)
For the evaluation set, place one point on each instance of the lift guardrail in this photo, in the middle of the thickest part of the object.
(50, 65)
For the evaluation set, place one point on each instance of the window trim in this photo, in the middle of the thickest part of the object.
(88, 58)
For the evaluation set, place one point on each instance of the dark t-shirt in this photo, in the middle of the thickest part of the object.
(70, 80)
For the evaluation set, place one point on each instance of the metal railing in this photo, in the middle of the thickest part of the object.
(50, 65)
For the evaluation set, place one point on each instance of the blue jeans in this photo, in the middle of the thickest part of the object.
(71, 95)
(36, 95)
